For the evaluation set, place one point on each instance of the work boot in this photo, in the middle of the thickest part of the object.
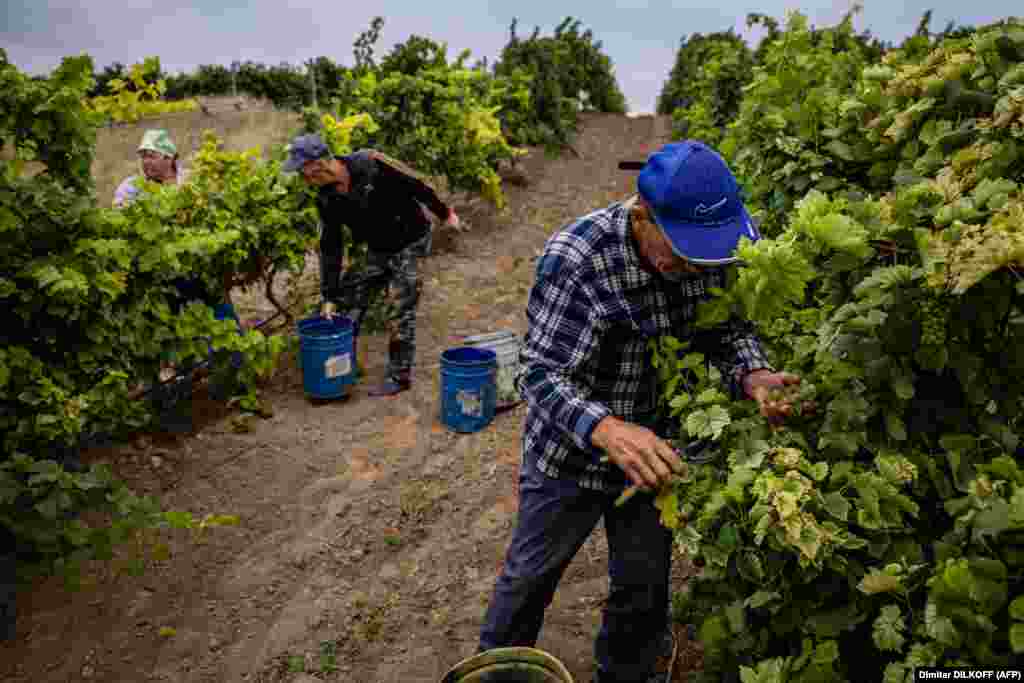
(392, 385)
(668, 642)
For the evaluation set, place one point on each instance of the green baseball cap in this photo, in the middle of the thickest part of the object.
(158, 140)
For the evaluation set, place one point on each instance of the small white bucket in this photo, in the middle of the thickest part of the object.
(505, 345)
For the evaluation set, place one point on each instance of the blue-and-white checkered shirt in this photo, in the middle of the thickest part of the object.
(591, 313)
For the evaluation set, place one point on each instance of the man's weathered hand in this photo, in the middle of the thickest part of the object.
(452, 221)
(646, 459)
(759, 386)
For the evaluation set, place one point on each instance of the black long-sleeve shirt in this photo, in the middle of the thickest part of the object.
(382, 208)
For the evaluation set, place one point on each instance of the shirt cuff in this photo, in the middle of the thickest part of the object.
(586, 423)
(740, 375)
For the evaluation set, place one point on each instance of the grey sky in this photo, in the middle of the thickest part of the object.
(640, 37)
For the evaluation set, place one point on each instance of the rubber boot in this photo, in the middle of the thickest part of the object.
(392, 385)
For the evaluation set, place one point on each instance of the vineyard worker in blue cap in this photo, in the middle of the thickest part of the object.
(381, 201)
(605, 285)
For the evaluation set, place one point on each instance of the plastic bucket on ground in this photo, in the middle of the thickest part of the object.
(506, 345)
(509, 665)
(468, 389)
(325, 353)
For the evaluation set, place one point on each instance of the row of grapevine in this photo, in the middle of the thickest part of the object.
(88, 291)
(559, 74)
(882, 528)
(139, 94)
(705, 87)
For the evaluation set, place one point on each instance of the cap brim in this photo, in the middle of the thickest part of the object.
(709, 245)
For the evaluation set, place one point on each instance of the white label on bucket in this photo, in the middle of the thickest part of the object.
(470, 403)
(338, 366)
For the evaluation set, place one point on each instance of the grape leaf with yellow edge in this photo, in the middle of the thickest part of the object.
(667, 501)
(879, 582)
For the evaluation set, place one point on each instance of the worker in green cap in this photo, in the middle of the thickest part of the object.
(158, 161)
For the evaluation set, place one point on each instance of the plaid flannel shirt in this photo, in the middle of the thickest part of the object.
(591, 313)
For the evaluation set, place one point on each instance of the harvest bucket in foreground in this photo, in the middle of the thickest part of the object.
(325, 351)
(509, 665)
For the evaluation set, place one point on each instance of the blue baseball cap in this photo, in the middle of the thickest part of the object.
(696, 202)
(304, 148)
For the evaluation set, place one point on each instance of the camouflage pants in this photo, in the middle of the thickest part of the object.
(400, 272)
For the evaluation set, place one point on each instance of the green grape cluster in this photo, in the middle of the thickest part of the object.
(934, 315)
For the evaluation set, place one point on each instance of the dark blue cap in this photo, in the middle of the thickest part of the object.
(304, 148)
(696, 201)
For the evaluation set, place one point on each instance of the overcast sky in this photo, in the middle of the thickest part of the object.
(640, 36)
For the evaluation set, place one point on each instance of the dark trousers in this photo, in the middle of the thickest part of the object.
(399, 271)
(555, 517)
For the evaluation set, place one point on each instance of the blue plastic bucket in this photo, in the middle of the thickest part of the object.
(326, 355)
(226, 311)
(224, 383)
(468, 388)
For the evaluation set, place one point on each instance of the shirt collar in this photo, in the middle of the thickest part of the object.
(636, 274)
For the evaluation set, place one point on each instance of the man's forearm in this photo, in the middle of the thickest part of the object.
(331, 255)
(562, 404)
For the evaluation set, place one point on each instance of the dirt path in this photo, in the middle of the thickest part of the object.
(371, 536)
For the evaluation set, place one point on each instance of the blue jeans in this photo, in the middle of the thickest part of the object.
(555, 517)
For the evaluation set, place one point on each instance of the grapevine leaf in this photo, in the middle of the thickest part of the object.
(903, 385)
(767, 671)
(833, 623)
(895, 673)
(882, 279)
(728, 538)
(10, 488)
(888, 629)
(876, 582)
(1017, 608)
(711, 396)
(992, 521)
(48, 507)
(841, 150)
(837, 506)
(707, 424)
(1017, 638)
(179, 520)
(1017, 508)
(940, 628)
(776, 276)
(667, 501)
(680, 401)
(761, 598)
(736, 614)
(819, 471)
(895, 428)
